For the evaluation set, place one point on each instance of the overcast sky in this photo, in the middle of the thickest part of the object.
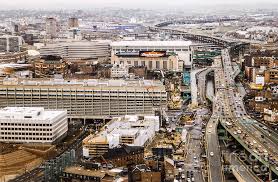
(149, 4)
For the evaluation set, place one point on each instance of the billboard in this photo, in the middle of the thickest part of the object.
(152, 54)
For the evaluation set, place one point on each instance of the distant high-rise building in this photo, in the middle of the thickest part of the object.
(9, 43)
(16, 28)
(51, 27)
(73, 22)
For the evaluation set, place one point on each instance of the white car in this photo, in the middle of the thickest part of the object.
(211, 154)
(183, 176)
(209, 131)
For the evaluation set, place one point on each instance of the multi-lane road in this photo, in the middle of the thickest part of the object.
(229, 110)
(193, 160)
(215, 168)
(260, 140)
(202, 85)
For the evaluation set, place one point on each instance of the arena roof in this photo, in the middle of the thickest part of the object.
(151, 43)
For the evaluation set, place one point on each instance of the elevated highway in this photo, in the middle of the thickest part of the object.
(201, 21)
(240, 170)
(253, 136)
(214, 157)
(225, 104)
(222, 114)
(194, 86)
(214, 164)
(222, 43)
(202, 85)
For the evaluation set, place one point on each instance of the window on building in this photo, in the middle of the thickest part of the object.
(157, 65)
(143, 63)
(150, 65)
(164, 64)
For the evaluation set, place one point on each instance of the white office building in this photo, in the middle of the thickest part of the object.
(32, 125)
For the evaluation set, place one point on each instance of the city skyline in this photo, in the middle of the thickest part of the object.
(119, 90)
(86, 4)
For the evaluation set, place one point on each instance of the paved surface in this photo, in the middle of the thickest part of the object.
(193, 161)
(215, 169)
(252, 130)
(221, 108)
(202, 85)
(241, 170)
(194, 87)
(210, 90)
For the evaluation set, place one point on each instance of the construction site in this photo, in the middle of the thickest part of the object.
(17, 159)
(173, 88)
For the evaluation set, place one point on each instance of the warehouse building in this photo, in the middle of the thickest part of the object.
(86, 99)
(32, 125)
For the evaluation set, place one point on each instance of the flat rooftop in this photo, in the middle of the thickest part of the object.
(129, 125)
(84, 83)
(85, 172)
(151, 43)
(74, 44)
(30, 113)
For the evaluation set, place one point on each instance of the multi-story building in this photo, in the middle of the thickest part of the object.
(119, 71)
(86, 99)
(268, 62)
(271, 76)
(129, 130)
(144, 173)
(265, 99)
(77, 50)
(74, 33)
(73, 22)
(49, 66)
(95, 146)
(124, 155)
(13, 57)
(80, 174)
(32, 125)
(155, 55)
(137, 46)
(169, 63)
(10, 43)
(51, 27)
(271, 116)
(169, 168)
